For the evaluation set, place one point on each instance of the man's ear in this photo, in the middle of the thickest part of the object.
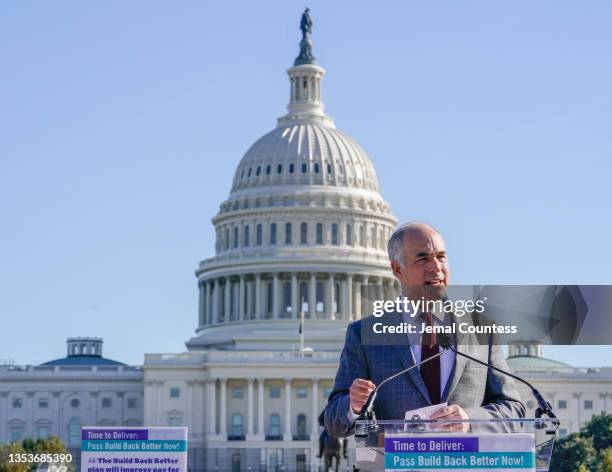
(396, 268)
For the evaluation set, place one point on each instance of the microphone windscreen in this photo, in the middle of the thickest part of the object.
(444, 340)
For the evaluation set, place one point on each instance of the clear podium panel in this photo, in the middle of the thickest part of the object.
(516, 445)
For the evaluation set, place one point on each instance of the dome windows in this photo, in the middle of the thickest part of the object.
(349, 235)
(273, 233)
(329, 168)
(259, 235)
(235, 237)
(334, 234)
(291, 168)
(319, 233)
(288, 237)
(304, 233)
(250, 171)
(316, 168)
(279, 169)
(247, 235)
(268, 169)
(304, 168)
(258, 170)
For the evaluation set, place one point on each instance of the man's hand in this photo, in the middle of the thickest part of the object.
(358, 394)
(452, 412)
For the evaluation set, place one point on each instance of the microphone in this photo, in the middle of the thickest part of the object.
(366, 410)
(544, 408)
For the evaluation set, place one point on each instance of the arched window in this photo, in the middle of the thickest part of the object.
(273, 233)
(74, 432)
(259, 235)
(301, 426)
(227, 239)
(258, 170)
(349, 235)
(286, 311)
(329, 169)
(304, 233)
(316, 167)
(291, 168)
(250, 172)
(237, 426)
(279, 169)
(247, 235)
(373, 242)
(288, 233)
(362, 238)
(235, 237)
(334, 234)
(304, 168)
(275, 425)
(319, 233)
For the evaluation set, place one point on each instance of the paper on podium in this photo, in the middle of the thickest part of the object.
(423, 413)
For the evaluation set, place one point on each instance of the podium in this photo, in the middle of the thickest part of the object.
(507, 445)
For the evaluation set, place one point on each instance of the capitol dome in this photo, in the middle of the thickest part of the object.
(303, 230)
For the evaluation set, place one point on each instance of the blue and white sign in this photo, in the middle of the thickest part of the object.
(441, 453)
(138, 449)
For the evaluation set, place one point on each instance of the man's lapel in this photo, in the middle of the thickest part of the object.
(461, 341)
(404, 353)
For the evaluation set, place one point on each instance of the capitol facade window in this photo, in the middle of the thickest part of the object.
(17, 402)
(562, 405)
(107, 403)
(304, 233)
(43, 403)
(237, 392)
(275, 392)
(319, 233)
(175, 392)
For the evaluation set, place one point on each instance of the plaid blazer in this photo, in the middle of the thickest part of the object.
(482, 392)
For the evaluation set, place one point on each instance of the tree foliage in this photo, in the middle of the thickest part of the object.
(588, 451)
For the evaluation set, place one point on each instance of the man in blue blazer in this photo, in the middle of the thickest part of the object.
(419, 261)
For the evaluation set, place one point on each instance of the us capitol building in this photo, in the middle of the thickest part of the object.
(303, 231)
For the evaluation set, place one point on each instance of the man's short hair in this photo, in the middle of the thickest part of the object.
(395, 246)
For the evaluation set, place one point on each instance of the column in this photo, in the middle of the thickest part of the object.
(216, 300)
(275, 296)
(604, 396)
(348, 297)
(312, 296)
(577, 396)
(331, 290)
(201, 310)
(227, 292)
(357, 314)
(223, 408)
(208, 302)
(241, 299)
(366, 294)
(314, 429)
(258, 311)
(287, 436)
(212, 408)
(295, 304)
(260, 408)
(250, 408)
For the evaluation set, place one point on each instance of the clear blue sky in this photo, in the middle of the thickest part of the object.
(121, 124)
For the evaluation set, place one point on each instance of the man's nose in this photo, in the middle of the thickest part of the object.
(434, 266)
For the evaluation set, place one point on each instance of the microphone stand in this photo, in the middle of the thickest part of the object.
(544, 408)
(366, 411)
